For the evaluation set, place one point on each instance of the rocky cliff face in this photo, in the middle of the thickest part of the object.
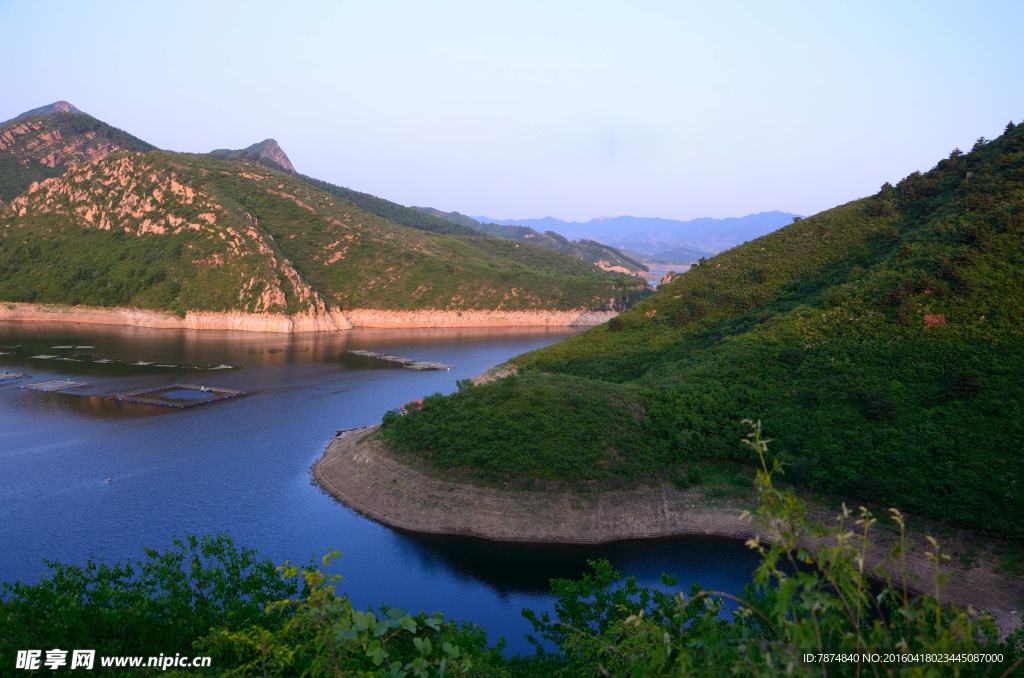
(36, 141)
(270, 150)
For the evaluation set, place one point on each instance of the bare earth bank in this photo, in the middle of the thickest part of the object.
(358, 471)
(319, 321)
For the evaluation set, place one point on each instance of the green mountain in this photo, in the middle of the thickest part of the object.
(266, 154)
(881, 342)
(186, 232)
(603, 256)
(45, 142)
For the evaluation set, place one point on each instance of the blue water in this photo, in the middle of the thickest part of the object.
(81, 475)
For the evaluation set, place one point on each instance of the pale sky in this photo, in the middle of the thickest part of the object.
(519, 109)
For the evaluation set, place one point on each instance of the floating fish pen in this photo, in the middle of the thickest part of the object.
(55, 385)
(178, 396)
(411, 363)
(10, 376)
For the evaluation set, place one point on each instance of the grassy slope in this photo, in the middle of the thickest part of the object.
(266, 223)
(822, 330)
(20, 163)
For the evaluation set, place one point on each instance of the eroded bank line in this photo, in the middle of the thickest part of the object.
(314, 321)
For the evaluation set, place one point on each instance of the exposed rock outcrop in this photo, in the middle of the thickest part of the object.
(267, 152)
(668, 278)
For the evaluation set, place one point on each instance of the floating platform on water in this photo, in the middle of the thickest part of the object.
(178, 396)
(10, 376)
(411, 363)
(55, 385)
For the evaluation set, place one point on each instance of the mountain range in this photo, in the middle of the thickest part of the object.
(98, 217)
(603, 256)
(684, 241)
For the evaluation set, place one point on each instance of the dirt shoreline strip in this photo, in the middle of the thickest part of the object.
(357, 470)
(324, 321)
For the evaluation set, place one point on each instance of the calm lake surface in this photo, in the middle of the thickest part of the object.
(81, 474)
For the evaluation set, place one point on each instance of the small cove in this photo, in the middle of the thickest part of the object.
(90, 475)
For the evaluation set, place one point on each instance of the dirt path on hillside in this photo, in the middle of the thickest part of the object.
(358, 471)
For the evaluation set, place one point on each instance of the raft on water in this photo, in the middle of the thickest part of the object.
(11, 376)
(411, 363)
(55, 385)
(178, 396)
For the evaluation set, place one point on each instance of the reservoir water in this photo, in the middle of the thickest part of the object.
(81, 474)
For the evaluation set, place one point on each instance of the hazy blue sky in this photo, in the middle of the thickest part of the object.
(522, 109)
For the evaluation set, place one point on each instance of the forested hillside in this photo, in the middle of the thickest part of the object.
(189, 232)
(881, 341)
(44, 145)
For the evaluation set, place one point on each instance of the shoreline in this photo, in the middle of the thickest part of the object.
(357, 470)
(321, 321)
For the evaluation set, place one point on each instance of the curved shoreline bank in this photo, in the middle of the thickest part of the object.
(357, 471)
(329, 321)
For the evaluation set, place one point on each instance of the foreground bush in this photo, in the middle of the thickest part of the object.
(813, 595)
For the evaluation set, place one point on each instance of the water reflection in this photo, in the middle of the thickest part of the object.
(528, 568)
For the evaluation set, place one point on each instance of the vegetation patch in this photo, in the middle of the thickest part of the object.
(558, 427)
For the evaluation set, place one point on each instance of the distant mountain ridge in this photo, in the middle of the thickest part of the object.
(605, 257)
(655, 235)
